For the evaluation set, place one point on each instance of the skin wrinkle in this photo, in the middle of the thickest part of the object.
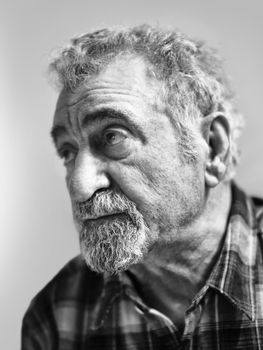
(137, 176)
(69, 126)
(169, 194)
(88, 95)
(78, 110)
(87, 110)
(156, 86)
(69, 120)
(109, 115)
(184, 66)
(161, 150)
(150, 168)
(170, 232)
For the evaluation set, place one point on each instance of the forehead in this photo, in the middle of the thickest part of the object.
(127, 79)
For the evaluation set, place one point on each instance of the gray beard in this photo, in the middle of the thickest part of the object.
(111, 245)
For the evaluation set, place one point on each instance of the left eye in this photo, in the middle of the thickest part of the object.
(67, 152)
(68, 156)
(113, 137)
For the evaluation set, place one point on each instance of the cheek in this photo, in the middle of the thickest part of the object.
(178, 189)
(167, 195)
(146, 184)
(133, 181)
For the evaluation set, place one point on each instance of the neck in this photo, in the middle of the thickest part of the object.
(172, 273)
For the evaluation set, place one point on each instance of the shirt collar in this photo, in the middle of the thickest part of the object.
(233, 274)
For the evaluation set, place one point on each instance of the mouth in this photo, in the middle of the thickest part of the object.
(105, 217)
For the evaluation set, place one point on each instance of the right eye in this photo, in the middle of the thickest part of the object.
(68, 153)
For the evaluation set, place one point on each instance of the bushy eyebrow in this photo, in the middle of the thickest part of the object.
(58, 131)
(99, 116)
(109, 113)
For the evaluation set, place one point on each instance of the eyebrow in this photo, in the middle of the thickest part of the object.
(58, 131)
(110, 113)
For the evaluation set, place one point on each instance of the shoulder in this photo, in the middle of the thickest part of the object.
(61, 299)
(73, 281)
(74, 284)
(73, 289)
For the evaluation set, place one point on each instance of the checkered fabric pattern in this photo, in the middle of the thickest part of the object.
(80, 309)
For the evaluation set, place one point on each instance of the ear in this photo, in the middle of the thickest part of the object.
(216, 132)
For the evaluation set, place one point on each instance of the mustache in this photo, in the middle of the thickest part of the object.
(105, 203)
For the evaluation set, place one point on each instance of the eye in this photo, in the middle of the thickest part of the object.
(68, 156)
(116, 142)
(114, 137)
(67, 152)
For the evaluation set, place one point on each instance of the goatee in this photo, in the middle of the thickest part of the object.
(113, 233)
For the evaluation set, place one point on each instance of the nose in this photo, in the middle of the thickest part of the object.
(87, 177)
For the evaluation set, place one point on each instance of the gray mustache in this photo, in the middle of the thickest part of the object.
(103, 204)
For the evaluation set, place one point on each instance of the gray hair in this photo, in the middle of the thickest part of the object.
(191, 73)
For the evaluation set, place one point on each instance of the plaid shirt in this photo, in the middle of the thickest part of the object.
(80, 309)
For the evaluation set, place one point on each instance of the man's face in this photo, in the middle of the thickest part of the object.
(129, 186)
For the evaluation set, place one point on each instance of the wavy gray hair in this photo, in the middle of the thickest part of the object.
(194, 82)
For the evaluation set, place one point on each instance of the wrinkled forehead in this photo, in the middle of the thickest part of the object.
(65, 98)
(126, 73)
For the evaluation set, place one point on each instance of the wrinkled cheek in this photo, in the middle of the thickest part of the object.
(132, 180)
(143, 182)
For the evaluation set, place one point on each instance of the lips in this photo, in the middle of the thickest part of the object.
(111, 216)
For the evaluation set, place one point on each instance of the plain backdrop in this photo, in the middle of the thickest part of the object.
(37, 234)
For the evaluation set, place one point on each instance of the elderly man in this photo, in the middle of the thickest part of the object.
(171, 249)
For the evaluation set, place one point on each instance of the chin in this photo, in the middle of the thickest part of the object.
(114, 246)
(99, 265)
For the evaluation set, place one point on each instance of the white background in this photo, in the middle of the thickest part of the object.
(37, 234)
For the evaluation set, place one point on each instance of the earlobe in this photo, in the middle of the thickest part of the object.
(215, 172)
(216, 133)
